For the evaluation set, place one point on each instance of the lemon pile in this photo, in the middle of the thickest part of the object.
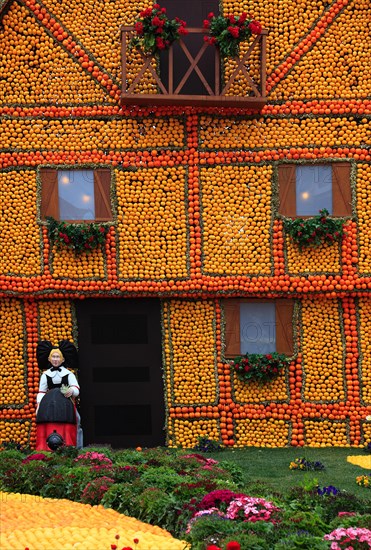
(36, 523)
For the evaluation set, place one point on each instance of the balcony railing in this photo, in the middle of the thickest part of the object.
(247, 73)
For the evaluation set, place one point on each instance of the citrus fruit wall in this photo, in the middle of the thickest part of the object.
(179, 172)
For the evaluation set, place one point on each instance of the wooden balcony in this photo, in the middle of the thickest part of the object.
(171, 74)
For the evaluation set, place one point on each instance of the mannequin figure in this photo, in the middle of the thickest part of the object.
(58, 389)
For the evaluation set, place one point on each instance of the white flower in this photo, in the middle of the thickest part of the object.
(368, 418)
(64, 389)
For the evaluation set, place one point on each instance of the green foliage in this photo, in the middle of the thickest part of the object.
(312, 232)
(228, 32)
(11, 479)
(35, 475)
(79, 237)
(161, 476)
(158, 507)
(122, 497)
(258, 367)
(155, 31)
(303, 540)
(235, 472)
(308, 521)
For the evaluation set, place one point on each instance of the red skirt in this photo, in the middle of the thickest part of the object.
(67, 431)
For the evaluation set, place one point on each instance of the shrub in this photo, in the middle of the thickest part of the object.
(95, 489)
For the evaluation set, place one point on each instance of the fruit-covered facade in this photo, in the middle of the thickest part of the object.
(195, 227)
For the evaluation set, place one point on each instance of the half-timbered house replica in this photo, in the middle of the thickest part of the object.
(149, 207)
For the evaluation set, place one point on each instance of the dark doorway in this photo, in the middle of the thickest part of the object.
(122, 392)
(193, 12)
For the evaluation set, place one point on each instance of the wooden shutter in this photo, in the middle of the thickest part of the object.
(49, 193)
(284, 327)
(232, 327)
(287, 189)
(102, 194)
(341, 190)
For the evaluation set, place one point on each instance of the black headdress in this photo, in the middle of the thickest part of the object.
(68, 349)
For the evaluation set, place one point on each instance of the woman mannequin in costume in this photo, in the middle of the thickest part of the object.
(58, 388)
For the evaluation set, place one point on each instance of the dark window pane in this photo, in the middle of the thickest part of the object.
(123, 420)
(119, 329)
(121, 374)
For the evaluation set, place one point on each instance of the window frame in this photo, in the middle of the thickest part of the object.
(341, 189)
(49, 196)
(284, 309)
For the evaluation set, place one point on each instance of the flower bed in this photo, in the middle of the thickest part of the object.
(202, 502)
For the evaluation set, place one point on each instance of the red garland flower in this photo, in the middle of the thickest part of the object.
(155, 32)
(229, 31)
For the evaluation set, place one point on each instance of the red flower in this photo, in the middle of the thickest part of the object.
(213, 547)
(138, 27)
(242, 18)
(211, 15)
(231, 18)
(234, 31)
(146, 13)
(206, 24)
(233, 545)
(255, 27)
(157, 22)
(160, 43)
(156, 6)
(182, 30)
(136, 541)
(113, 546)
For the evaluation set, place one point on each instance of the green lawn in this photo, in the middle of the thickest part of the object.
(272, 466)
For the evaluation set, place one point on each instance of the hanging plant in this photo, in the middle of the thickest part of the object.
(155, 31)
(312, 232)
(228, 32)
(256, 367)
(79, 237)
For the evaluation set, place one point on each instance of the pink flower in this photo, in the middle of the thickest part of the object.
(255, 27)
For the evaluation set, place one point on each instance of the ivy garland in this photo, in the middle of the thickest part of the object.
(313, 232)
(257, 367)
(80, 237)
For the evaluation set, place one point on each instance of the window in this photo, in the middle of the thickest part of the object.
(255, 326)
(76, 194)
(304, 189)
